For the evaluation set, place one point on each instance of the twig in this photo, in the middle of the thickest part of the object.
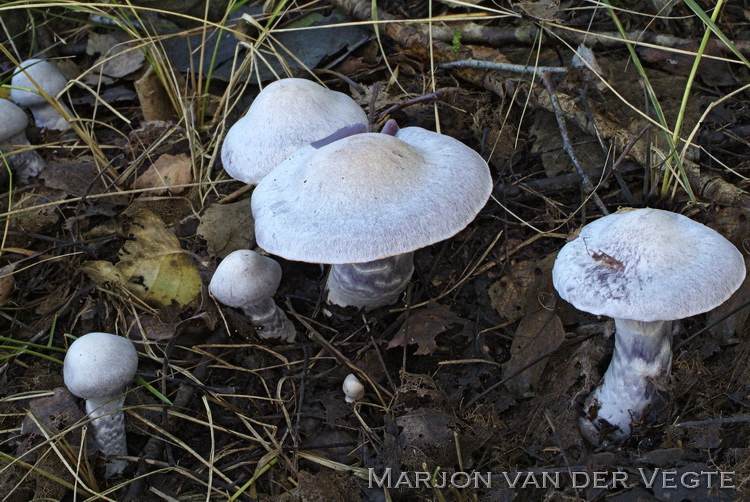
(588, 187)
(419, 99)
(494, 65)
(714, 421)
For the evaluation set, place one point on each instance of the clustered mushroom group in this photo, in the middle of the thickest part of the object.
(34, 85)
(328, 192)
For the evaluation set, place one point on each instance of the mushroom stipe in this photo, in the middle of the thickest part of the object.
(645, 268)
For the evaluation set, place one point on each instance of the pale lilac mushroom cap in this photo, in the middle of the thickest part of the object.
(47, 77)
(369, 196)
(288, 114)
(245, 277)
(97, 368)
(648, 265)
(248, 280)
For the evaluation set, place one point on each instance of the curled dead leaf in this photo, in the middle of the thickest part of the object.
(152, 265)
(169, 172)
(423, 327)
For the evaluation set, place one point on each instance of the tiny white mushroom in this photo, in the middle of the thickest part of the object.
(247, 280)
(645, 268)
(25, 92)
(365, 202)
(353, 388)
(27, 164)
(288, 114)
(97, 368)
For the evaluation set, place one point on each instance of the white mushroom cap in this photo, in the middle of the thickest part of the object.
(99, 365)
(353, 388)
(369, 196)
(46, 76)
(647, 265)
(244, 278)
(13, 123)
(288, 114)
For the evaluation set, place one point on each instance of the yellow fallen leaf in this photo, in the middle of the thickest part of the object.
(152, 265)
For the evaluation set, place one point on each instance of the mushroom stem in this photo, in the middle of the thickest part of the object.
(271, 319)
(27, 162)
(370, 284)
(47, 117)
(633, 383)
(108, 421)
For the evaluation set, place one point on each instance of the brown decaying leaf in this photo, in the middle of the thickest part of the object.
(423, 326)
(154, 99)
(152, 265)
(538, 333)
(7, 282)
(168, 171)
(511, 295)
(76, 177)
(227, 228)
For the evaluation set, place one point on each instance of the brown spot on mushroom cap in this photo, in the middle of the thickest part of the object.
(288, 114)
(370, 196)
(647, 265)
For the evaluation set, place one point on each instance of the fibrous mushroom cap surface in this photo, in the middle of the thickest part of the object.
(647, 265)
(14, 120)
(244, 278)
(99, 365)
(45, 74)
(369, 196)
(288, 114)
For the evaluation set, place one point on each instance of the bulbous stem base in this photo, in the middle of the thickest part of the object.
(633, 387)
(370, 284)
(27, 164)
(271, 320)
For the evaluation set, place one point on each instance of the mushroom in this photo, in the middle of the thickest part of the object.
(33, 76)
(364, 203)
(97, 368)
(288, 114)
(26, 163)
(353, 388)
(645, 268)
(247, 280)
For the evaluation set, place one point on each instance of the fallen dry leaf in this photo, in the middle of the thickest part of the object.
(118, 57)
(227, 228)
(423, 326)
(515, 293)
(155, 102)
(152, 265)
(7, 282)
(169, 172)
(538, 333)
